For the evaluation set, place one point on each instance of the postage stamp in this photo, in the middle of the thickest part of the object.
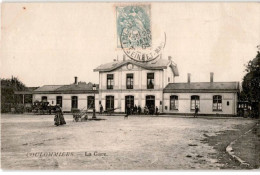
(134, 26)
(134, 34)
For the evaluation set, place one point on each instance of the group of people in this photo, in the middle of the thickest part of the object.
(134, 110)
(130, 110)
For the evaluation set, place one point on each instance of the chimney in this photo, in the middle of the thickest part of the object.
(123, 57)
(169, 58)
(76, 80)
(211, 77)
(189, 77)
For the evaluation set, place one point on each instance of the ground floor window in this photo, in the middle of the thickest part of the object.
(173, 102)
(91, 102)
(109, 102)
(217, 103)
(44, 98)
(195, 101)
(74, 102)
(59, 100)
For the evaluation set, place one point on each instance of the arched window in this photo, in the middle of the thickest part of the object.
(174, 102)
(195, 101)
(217, 103)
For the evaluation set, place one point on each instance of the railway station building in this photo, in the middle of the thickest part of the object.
(152, 84)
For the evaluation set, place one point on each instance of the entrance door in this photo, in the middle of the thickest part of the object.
(129, 101)
(150, 102)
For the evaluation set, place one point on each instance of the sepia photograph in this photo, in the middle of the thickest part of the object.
(130, 86)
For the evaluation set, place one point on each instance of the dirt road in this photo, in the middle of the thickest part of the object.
(33, 142)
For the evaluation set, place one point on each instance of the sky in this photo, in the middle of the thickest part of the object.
(50, 43)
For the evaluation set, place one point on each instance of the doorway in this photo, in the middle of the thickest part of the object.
(150, 102)
(129, 101)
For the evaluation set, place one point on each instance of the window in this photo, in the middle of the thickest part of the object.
(110, 81)
(169, 79)
(74, 102)
(195, 101)
(59, 100)
(150, 80)
(217, 103)
(44, 98)
(174, 102)
(91, 102)
(129, 81)
(109, 102)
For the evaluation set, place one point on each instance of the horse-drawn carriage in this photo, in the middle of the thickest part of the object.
(42, 107)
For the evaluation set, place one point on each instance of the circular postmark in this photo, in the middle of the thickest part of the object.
(136, 45)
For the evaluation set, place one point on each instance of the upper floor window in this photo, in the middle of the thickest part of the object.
(110, 81)
(129, 81)
(195, 101)
(174, 102)
(91, 102)
(150, 80)
(217, 103)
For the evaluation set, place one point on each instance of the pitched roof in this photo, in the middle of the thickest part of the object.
(67, 89)
(202, 87)
(153, 65)
(48, 88)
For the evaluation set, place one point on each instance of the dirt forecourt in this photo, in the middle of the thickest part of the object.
(137, 143)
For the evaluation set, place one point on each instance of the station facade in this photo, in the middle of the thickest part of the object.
(152, 84)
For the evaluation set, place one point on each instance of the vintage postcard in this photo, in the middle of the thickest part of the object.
(130, 86)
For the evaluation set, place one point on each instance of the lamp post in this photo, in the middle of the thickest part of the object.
(94, 109)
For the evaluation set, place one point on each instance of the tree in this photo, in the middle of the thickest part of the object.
(251, 81)
(8, 87)
(251, 84)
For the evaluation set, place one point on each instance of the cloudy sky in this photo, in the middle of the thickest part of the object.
(50, 43)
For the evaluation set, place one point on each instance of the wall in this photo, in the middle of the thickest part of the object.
(206, 103)
(66, 100)
(139, 98)
(140, 78)
(139, 91)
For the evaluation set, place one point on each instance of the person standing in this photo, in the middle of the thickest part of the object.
(196, 111)
(156, 110)
(128, 111)
(101, 109)
(135, 109)
(59, 119)
(139, 110)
